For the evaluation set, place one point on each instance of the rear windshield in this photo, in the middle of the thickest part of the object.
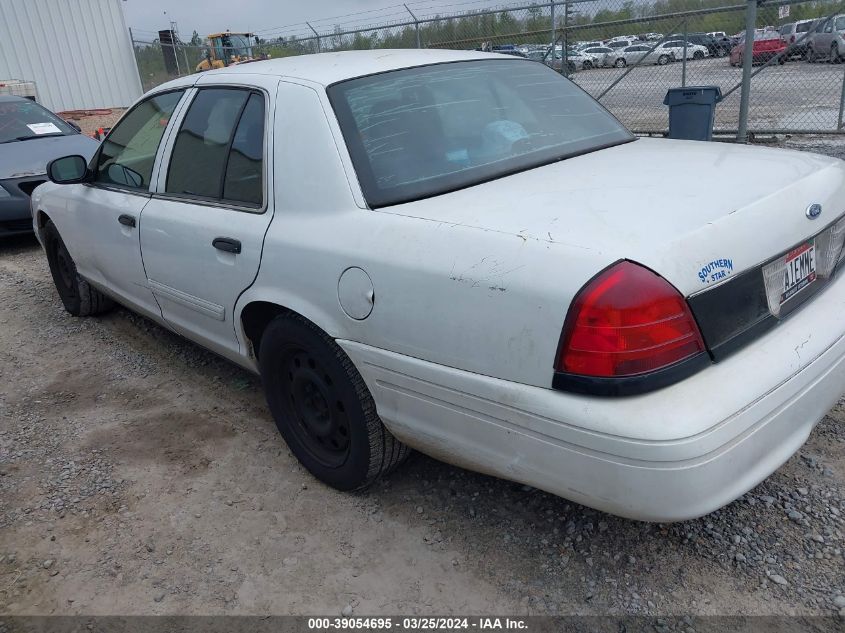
(25, 119)
(419, 132)
(803, 27)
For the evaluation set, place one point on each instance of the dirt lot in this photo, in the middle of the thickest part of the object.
(140, 474)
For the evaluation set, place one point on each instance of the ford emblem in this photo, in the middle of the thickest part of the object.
(814, 211)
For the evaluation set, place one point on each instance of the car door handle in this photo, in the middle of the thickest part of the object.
(126, 220)
(227, 244)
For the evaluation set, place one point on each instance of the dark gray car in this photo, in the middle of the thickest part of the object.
(30, 137)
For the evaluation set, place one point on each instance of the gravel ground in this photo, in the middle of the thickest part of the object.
(140, 474)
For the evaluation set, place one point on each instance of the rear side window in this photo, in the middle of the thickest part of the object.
(787, 29)
(219, 150)
(244, 179)
(128, 153)
(840, 23)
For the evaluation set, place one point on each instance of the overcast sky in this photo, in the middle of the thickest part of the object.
(268, 17)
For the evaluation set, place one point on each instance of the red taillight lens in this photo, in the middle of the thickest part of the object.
(627, 321)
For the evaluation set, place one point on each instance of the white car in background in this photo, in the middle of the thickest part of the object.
(642, 54)
(584, 60)
(620, 44)
(693, 51)
(421, 248)
(603, 55)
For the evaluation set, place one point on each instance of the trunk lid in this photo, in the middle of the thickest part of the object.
(677, 207)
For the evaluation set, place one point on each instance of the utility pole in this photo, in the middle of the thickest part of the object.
(747, 61)
(317, 35)
(416, 25)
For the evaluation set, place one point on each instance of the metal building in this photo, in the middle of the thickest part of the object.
(77, 52)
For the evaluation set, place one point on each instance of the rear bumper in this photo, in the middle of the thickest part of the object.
(671, 455)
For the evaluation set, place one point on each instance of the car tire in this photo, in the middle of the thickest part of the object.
(587, 65)
(721, 52)
(663, 60)
(834, 53)
(698, 55)
(620, 63)
(322, 407)
(78, 296)
(811, 55)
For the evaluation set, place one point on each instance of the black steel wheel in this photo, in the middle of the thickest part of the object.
(322, 407)
(78, 296)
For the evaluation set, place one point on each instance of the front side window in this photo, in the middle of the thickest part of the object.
(128, 153)
(418, 132)
(219, 150)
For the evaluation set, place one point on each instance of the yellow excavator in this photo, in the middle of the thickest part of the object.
(227, 49)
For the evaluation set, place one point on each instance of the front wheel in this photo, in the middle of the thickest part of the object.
(587, 65)
(78, 296)
(621, 63)
(322, 407)
(721, 52)
(698, 55)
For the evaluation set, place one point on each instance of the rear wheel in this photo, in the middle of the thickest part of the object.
(621, 63)
(663, 60)
(834, 53)
(720, 52)
(811, 55)
(698, 55)
(587, 65)
(322, 407)
(78, 296)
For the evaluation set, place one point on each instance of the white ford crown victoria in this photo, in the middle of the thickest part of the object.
(424, 249)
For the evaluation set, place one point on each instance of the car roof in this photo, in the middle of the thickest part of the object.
(8, 98)
(330, 68)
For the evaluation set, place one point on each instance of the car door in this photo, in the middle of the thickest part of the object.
(203, 231)
(824, 37)
(839, 27)
(103, 216)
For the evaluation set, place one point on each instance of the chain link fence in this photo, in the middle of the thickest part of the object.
(626, 54)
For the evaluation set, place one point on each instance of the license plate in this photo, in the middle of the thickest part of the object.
(793, 272)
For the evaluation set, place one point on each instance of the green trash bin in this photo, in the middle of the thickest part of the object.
(692, 111)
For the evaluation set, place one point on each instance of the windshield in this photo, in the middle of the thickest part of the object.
(420, 132)
(238, 45)
(27, 119)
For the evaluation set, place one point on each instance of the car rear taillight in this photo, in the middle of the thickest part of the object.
(627, 321)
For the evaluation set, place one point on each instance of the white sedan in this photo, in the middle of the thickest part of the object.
(422, 249)
(676, 47)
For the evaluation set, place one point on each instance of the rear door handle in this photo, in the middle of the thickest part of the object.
(228, 244)
(126, 220)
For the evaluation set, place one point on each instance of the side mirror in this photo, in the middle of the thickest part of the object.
(68, 170)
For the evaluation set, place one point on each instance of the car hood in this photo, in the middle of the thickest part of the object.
(20, 159)
(674, 206)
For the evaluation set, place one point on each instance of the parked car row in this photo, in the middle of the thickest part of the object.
(816, 40)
